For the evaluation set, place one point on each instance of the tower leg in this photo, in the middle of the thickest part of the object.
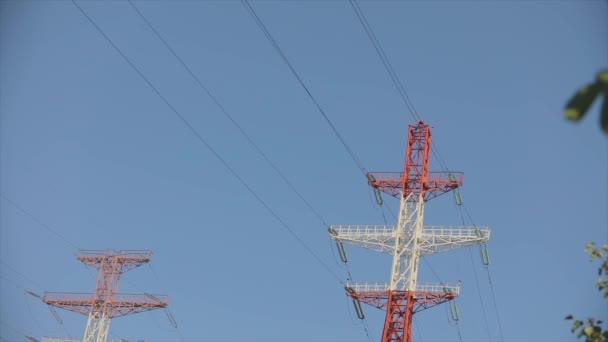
(97, 328)
(399, 317)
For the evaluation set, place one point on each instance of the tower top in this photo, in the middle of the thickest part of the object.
(416, 180)
(126, 260)
(106, 303)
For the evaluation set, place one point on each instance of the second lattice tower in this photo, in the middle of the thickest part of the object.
(409, 240)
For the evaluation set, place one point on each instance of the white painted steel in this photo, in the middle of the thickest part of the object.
(426, 287)
(97, 328)
(407, 242)
(404, 275)
(434, 239)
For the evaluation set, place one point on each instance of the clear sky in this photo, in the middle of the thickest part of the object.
(100, 161)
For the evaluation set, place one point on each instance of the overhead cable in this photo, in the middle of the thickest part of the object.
(206, 91)
(209, 147)
(391, 72)
(278, 49)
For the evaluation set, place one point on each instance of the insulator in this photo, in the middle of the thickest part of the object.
(452, 178)
(349, 289)
(457, 197)
(332, 231)
(378, 196)
(171, 318)
(478, 233)
(485, 259)
(341, 251)
(371, 177)
(358, 308)
(32, 294)
(454, 311)
(56, 315)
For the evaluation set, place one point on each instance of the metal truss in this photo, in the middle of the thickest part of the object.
(121, 305)
(437, 184)
(105, 303)
(433, 239)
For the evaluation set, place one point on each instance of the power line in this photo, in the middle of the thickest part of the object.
(206, 91)
(502, 338)
(278, 49)
(275, 45)
(385, 61)
(14, 283)
(13, 329)
(48, 228)
(210, 148)
(483, 308)
(58, 235)
(391, 72)
(410, 106)
(442, 284)
(21, 274)
(37, 220)
(28, 292)
(489, 280)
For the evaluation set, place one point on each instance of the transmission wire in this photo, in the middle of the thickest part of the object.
(26, 292)
(483, 309)
(489, 280)
(37, 220)
(443, 285)
(243, 132)
(410, 106)
(206, 91)
(391, 72)
(209, 147)
(261, 25)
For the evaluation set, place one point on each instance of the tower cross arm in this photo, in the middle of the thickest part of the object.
(436, 184)
(116, 306)
(127, 260)
(379, 238)
(433, 239)
(425, 296)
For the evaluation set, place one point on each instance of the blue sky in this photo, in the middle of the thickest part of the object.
(95, 155)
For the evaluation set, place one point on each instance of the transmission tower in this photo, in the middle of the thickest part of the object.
(106, 303)
(403, 296)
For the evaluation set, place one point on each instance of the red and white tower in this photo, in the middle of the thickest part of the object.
(106, 303)
(409, 240)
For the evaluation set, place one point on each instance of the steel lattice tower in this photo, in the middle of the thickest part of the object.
(106, 303)
(409, 240)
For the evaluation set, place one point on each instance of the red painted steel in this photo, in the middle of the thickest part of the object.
(106, 300)
(416, 178)
(423, 185)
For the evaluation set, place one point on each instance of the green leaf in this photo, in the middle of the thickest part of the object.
(581, 101)
(588, 331)
(604, 125)
(602, 77)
